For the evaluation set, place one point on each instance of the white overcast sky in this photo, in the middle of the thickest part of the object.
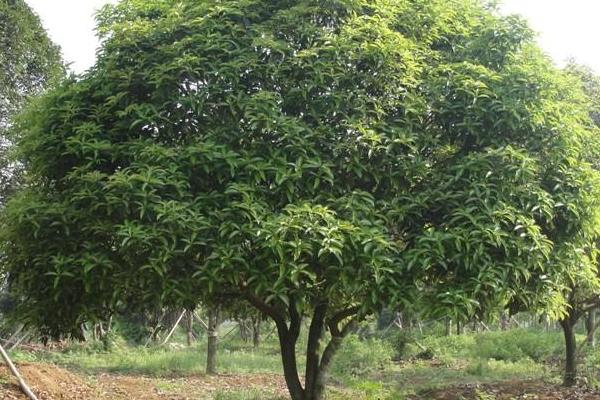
(567, 28)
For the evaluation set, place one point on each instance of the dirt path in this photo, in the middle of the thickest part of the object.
(50, 382)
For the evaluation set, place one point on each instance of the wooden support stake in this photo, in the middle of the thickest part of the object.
(173, 329)
(14, 371)
(204, 324)
(154, 330)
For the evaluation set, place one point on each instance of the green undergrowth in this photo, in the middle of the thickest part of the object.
(373, 368)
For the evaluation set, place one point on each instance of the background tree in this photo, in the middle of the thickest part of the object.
(317, 159)
(29, 63)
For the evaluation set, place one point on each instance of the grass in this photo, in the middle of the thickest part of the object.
(363, 369)
(251, 394)
(158, 361)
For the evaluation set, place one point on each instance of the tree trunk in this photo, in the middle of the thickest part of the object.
(313, 370)
(448, 326)
(256, 332)
(459, 327)
(288, 358)
(504, 321)
(190, 328)
(213, 341)
(590, 328)
(571, 349)
(317, 363)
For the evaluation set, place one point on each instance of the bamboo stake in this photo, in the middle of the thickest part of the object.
(14, 371)
(18, 342)
(204, 325)
(154, 330)
(173, 329)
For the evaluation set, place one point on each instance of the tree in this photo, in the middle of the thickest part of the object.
(580, 284)
(319, 159)
(29, 63)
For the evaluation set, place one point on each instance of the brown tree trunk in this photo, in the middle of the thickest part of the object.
(448, 326)
(571, 350)
(590, 328)
(313, 352)
(504, 321)
(256, 332)
(317, 362)
(190, 327)
(287, 342)
(213, 341)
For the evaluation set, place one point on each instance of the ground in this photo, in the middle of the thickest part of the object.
(50, 382)
(517, 364)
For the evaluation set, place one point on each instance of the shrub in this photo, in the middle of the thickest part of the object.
(517, 344)
(399, 340)
(360, 357)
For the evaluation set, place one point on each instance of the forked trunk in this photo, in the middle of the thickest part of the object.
(318, 360)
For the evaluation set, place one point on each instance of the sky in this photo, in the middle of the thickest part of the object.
(566, 28)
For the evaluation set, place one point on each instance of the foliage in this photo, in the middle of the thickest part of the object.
(361, 357)
(29, 63)
(518, 344)
(590, 82)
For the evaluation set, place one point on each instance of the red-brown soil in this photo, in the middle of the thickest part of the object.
(50, 382)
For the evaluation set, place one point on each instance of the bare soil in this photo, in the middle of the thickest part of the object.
(50, 382)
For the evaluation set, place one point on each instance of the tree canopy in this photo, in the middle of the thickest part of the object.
(29, 63)
(315, 158)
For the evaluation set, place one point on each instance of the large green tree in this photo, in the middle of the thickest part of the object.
(580, 285)
(317, 158)
(29, 63)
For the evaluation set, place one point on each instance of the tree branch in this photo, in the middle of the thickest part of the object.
(263, 307)
(295, 319)
(339, 317)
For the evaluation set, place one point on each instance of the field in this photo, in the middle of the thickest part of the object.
(514, 364)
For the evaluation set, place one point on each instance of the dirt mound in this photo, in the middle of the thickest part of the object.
(512, 390)
(47, 381)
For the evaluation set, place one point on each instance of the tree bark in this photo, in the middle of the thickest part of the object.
(256, 332)
(288, 358)
(213, 341)
(571, 350)
(459, 327)
(173, 328)
(504, 321)
(190, 328)
(243, 326)
(317, 365)
(448, 326)
(315, 334)
(590, 327)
